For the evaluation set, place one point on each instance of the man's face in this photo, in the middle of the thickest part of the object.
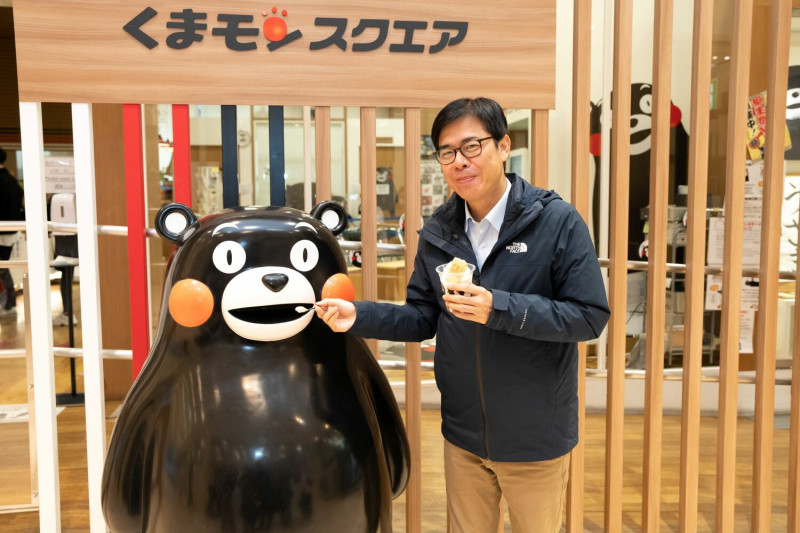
(480, 179)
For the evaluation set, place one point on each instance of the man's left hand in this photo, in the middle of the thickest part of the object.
(477, 307)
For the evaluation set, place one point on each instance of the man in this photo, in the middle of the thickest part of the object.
(506, 350)
(10, 209)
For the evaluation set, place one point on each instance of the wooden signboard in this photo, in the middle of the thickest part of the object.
(414, 53)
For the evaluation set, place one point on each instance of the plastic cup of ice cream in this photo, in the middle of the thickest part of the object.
(452, 278)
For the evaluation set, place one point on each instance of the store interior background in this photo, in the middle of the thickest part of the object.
(254, 171)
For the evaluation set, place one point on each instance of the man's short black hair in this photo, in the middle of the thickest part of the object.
(2, 156)
(486, 110)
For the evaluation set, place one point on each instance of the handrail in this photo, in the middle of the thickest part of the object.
(356, 245)
(670, 374)
(62, 351)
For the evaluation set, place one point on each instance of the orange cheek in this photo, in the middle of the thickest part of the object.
(339, 286)
(190, 303)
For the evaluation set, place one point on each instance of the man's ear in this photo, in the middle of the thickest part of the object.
(504, 146)
(332, 215)
(174, 221)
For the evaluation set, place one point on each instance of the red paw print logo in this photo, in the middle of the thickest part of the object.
(274, 27)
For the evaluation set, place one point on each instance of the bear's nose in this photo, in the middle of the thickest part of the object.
(275, 282)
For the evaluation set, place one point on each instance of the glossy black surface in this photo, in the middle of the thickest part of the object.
(225, 433)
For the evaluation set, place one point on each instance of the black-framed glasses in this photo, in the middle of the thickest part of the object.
(472, 148)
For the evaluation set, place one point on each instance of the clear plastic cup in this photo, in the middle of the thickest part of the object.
(451, 278)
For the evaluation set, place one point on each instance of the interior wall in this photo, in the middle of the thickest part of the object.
(112, 249)
(560, 127)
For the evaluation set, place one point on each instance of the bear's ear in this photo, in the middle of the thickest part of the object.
(332, 215)
(173, 220)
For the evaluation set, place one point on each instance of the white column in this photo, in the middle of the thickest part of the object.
(605, 160)
(30, 118)
(308, 146)
(91, 330)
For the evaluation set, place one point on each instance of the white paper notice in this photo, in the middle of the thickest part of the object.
(747, 323)
(749, 294)
(751, 242)
(59, 174)
(713, 292)
(716, 241)
(753, 190)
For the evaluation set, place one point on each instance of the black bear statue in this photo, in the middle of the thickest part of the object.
(793, 112)
(250, 414)
(639, 185)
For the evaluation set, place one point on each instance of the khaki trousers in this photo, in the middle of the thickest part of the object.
(534, 492)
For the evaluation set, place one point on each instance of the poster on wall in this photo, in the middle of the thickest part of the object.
(747, 328)
(757, 126)
(749, 294)
(747, 310)
(751, 244)
(434, 188)
(59, 174)
(753, 196)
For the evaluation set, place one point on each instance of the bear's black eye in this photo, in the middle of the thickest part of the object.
(646, 103)
(229, 257)
(304, 255)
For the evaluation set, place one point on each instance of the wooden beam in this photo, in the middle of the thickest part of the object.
(793, 506)
(695, 264)
(322, 123)
(732, 264)
(540, 140)
(581, 78)
(767, 317)
(657, 265)
(618, 258)
(413, 352)
(110, 191)
(369, 213)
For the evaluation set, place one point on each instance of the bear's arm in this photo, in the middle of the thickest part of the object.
(373, 388)
(128, 472)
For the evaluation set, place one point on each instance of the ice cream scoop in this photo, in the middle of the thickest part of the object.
(455, 272)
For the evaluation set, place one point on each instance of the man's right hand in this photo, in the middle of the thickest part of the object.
(338, 314)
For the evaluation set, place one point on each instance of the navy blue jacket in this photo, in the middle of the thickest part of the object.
(509, 388)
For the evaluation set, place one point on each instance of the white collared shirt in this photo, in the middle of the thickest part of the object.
(483, 235)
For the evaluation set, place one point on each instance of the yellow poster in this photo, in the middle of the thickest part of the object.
(757, 126)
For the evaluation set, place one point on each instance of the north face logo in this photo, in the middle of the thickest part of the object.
(517, 248)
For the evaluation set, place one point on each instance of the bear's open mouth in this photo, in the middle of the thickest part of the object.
(639, 136)
(268, 314)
